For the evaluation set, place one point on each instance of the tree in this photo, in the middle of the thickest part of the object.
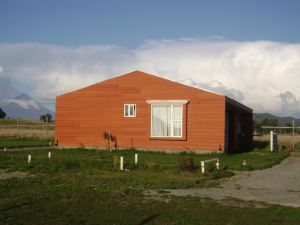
(2, 114)
(269, 122)
(46, 118)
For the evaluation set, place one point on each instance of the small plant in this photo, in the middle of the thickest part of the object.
(186, 162)
(111, 140)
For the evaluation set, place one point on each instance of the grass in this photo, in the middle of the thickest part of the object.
(79, 186)
(21, 122)
(22, 142)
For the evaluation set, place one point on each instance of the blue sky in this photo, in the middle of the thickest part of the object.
(129, 23)
(249, 50)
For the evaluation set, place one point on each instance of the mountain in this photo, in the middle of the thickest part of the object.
(282, 121)
(23, 106)
(6, 89)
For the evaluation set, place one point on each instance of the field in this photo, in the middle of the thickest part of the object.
(283, 139)
(79, 186)
(26, 129)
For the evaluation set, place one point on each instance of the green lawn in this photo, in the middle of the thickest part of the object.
(78, 186)
(22, 142)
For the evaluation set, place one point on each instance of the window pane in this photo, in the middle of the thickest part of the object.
(126, 110)
(177, 128)
(177, 112)
(131, 110)
(161, 121)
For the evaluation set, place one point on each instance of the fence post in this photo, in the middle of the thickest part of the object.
(202, 167)
(29, 158)
(293, 138)
(136, 158)
(271, 141)
(17, 128)
(46, 126)
(121, 163)
(49, 155)
(218, 164)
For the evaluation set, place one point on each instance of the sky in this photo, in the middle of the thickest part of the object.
(249, 50)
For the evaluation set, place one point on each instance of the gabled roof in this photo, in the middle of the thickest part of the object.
(141, 72)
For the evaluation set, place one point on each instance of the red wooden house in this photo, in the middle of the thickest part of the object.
(144, 111)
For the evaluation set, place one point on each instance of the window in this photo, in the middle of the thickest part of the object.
(129, 110)
(166, 121)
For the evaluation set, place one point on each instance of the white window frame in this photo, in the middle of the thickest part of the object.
(128, 107)
(169, 103)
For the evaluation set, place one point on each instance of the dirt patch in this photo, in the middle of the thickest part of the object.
(5, 174)
(277, 185)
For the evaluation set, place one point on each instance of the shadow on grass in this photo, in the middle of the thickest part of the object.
(148, 219)
(255, 145)
(260, 144)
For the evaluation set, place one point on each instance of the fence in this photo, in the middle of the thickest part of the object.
(42, 131)
(288, 136)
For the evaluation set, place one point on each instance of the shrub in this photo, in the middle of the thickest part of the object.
(186, 162)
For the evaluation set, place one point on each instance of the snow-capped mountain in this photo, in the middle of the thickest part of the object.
(23, 106)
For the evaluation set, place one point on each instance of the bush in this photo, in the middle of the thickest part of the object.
(186, 162)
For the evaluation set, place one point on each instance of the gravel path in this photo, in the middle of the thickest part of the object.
(277, 185)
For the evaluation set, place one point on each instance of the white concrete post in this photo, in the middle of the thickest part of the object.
(29, 158)
(202, 167)
(244, 163)
(49, 155)
(135, 158)
(218, 164)
(121, 163)
(4, 149)
(271, 141)
(50, 143)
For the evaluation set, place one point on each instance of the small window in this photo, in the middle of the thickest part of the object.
(129, 110)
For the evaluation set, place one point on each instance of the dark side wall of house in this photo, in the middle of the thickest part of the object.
(238, 127)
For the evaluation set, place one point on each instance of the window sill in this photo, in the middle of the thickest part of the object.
(168, 138)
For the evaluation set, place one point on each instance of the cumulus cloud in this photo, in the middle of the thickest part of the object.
(1, 72)
(255, 73)
(290, 104)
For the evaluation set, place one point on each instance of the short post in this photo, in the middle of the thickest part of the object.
(17, 128)
(50, 143)
(202, 167)
(49, 155)
(29, 158)
(121, 163)
(271, 141)
(4, 149)
(218, 164)
(293, 140)
(244, 163)
(135, 158)
(47, 126)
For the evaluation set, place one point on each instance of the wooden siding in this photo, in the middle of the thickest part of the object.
(82, 116)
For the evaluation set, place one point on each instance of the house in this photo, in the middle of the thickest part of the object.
(144, 111)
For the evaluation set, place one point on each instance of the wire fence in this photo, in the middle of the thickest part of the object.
(41, 131)
(287, 136)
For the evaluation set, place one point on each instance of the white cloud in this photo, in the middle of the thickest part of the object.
(256, 73)
(1, 72)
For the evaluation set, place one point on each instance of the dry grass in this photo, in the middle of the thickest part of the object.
(25, 133)
(283, 139)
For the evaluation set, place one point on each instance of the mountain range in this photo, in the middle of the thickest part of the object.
(19, 105)
(282, 121)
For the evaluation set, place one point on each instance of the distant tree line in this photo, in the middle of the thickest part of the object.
(257, 126)
(2, 114)
(46, 117)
